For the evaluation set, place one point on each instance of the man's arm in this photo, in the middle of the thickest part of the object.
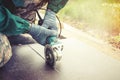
(11, 24)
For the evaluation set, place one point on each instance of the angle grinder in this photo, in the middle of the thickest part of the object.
(53, 51)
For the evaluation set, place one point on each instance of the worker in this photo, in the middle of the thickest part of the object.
(18, 17)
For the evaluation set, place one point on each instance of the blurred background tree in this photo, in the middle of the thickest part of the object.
(100, 18)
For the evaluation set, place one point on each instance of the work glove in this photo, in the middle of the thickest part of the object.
(50, 20)
(47, 29)
(40, 33)
(56, 5)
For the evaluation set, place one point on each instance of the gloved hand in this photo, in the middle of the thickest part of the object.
(40, 33)
(50, 20)
(48, 28)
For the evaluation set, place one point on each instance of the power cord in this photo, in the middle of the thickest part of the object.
(41, 21)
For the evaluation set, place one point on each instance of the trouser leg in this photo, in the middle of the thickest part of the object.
(5, 50)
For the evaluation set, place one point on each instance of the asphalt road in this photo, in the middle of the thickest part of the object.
(84, 58)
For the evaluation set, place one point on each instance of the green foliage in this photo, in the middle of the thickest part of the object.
(117, 39)
(99, 14)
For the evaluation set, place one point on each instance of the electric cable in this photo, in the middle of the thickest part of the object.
(60, 24)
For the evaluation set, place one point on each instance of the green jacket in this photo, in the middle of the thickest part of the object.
(11, 24)
(56, 5)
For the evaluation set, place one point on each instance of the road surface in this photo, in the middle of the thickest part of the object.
(84, 58)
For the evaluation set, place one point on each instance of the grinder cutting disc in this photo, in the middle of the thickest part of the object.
(50, 56)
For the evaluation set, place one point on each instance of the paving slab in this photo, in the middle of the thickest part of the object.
(80, 61)
(25, 64)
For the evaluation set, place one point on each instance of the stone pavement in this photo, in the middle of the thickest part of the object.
(80, 61)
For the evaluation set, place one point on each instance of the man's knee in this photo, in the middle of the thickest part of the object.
(5, 50)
